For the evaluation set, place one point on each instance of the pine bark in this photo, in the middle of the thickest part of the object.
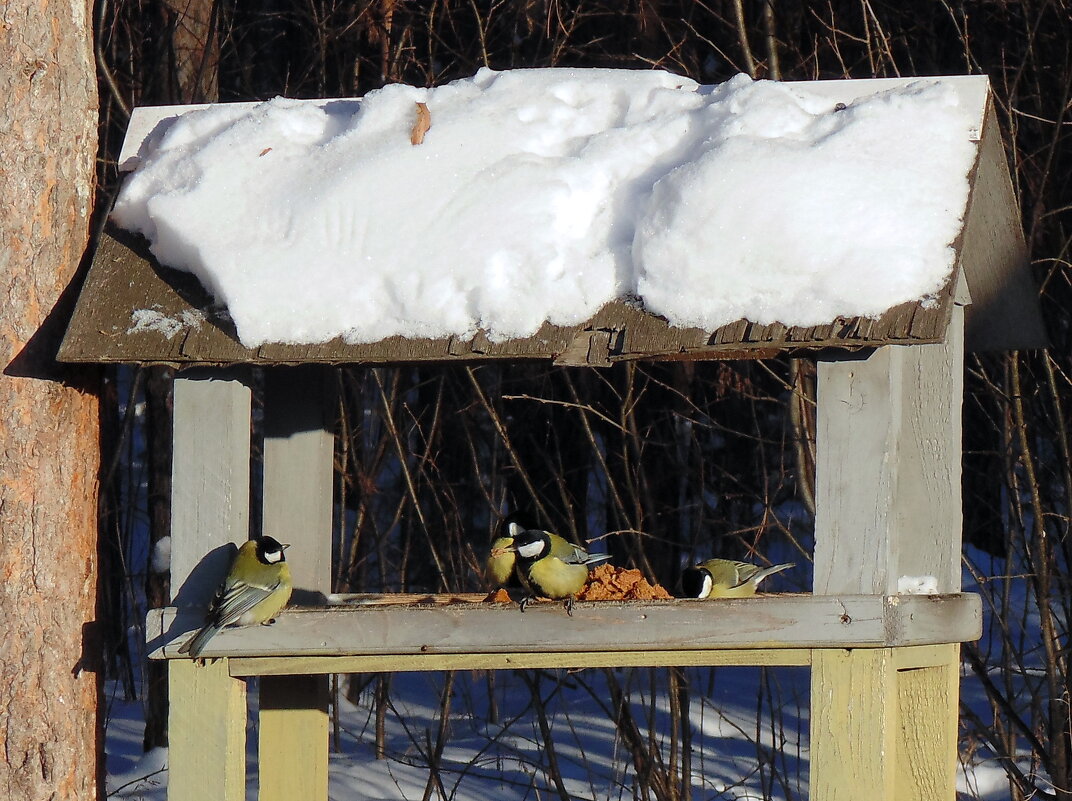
(49, 441)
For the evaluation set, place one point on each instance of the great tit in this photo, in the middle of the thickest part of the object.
(725, 578)
(546, 574)
(501, 560)
(257, 587)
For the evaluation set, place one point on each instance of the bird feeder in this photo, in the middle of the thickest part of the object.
(884, 666)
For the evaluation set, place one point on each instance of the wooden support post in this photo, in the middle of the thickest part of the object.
(210, 486)
(298, 452)
(853, 725)
(927, 735)
(888, 449)
(883, 728)
(206, 732)
(887, 505)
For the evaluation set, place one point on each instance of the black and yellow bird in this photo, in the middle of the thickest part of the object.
(257, 587)
(502, 558)
(544, 573)
(725, 578)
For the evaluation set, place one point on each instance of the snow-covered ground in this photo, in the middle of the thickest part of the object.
(732, 756)
(749, 732)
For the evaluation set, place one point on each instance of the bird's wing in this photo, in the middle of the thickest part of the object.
(237, 598)
(573, 554)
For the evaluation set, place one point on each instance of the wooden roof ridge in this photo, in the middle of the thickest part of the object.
(133, 310)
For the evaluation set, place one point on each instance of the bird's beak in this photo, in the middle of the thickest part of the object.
(284, 546)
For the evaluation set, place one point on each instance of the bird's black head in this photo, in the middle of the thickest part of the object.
(270, 551)
(531, 545)
(692, 582)
(514, 523)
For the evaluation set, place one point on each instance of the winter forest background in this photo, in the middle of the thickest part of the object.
(682, 459)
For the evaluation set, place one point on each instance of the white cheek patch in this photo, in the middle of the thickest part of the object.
(531, 549)
(513, 529)
(705, 590)
(271, 557)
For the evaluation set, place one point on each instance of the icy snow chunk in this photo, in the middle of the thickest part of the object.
(161, 557)
(917, 585)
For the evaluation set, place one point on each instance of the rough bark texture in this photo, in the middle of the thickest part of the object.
(49, 444)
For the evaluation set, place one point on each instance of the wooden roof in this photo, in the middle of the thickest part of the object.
(991, 273)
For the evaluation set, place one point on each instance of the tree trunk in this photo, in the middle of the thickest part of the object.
(49, 687)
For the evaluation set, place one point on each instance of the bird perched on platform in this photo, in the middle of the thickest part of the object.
(502, 559)
(257, 587)
(544, 573)
(725, 578)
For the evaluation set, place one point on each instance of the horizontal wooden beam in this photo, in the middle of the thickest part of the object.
(770, 622)
(393, 663)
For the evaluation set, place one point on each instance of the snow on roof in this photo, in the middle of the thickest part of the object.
(542, 195)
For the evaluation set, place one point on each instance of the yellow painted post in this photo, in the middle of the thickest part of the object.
(854, 725)
(927, 740)
(298, 496)
(293, 736)
(207, 732)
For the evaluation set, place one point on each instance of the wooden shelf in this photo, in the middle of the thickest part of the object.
(771, 629)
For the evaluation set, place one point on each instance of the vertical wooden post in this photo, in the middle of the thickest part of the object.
(888, 450)
(887, 505)
(210, 486)
(853, 725)
(298, 452)
(927, 736)
(206, 732)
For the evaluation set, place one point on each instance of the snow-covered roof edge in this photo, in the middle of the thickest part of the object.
(125, 281)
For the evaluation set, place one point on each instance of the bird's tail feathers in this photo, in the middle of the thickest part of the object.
(770, 571)
(197, 643)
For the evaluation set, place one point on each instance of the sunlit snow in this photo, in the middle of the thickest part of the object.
(540, 195)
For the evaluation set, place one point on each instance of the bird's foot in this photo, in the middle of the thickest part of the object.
(569, 606)
(525, 600)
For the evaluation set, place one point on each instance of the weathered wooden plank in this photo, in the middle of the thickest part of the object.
(921, 656)
(132, 310)
(928, 707)
(209, 480)
(853, 725)
(888, 467)
(210, 512)
(293, 665)
(206, 733)
(293, 738)
(298, 495)
(772, 621)
(298, 450)
(993, 255)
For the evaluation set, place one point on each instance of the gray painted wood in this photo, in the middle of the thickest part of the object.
(888, 483)
(993, 255)
(297, 505)
(298, 452)
(210, 480)
(773, 621)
